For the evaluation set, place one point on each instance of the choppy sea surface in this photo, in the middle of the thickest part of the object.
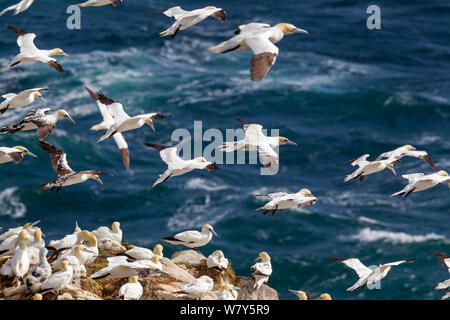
(339, 92)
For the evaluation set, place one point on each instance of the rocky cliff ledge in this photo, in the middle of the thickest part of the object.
(181, 269)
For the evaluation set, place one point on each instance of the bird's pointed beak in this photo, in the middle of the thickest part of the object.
(70, 119)
(299, 31)
(28, 153)
(292, 143)
(149, 121)
(258, 258)
(65, 54)
(214, 233)
(392, 169)
(97, 178)
(43, 100)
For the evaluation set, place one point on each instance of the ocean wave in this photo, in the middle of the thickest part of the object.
(369, 235)
(204, 184)
(10, 204)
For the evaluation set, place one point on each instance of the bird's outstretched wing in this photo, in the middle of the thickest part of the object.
(57, 159)
(265, 54)
(355, 264)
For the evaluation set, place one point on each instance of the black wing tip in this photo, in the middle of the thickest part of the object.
(104, 99)
(410, 260)
(212, 167)
(92, 93)
(242, 120)
(156, 146)
(160, 11)
(337, 259)
(160, 116)
(16, 31)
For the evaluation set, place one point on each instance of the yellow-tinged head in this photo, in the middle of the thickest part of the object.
(85, 235)
(210, 8)
(58, 52)
(220, 252)
(77, 228)
(64, 265)
(23, 235)
(133, 279)
(408, 147)
(305, 192)
(95, 177)
(264, 256)
(37, 296)
(61, 113)
(25, 151)
(288, 28)
(92, 240)
(284, 140)
(37, 94)
(325, 296)
(26, 225)
(209, 228)
(158, 249)
(115, 226)
(228, 287)
(78, 249)
(300, 294)
(442, 173)
(37, 234)
(155, 258)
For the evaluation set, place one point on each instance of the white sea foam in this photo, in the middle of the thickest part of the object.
(369, 220)
(204, 184)
(369, 235)
(10, 204)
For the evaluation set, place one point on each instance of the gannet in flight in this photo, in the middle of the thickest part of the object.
(255, 139)
(302, 295)
(58, 280)
(260, 38)
(176, 165)
(197, 288)
(122, 121)
(18, 7)
(30, 54)
(283, 200)
(228, 292)
(366, 275)
(369, 167)
(119, 267)
(407, 151)
(193, 238)
(14, 154)
(39, 273)
(419, 182)
(40, 120)
(66, 176)
(132, 290)
(445, 285)
(217, 261)
(262, 270)
(184, 19)
(107, 123)
(99, 3)
(22, 99)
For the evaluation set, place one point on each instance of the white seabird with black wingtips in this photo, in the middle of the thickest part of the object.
(261, 39)
(122, 121)
(283, 200)
(100, 3)
(369, 167)
(366, 275)
(30, 54)
(408, 151)
(418, 182)
(262, 270)
(256, 140)
(444, 285)
(21, 99)
(178, 166)
(14, 154)
(193, 238)
(18, 7)
(185, 19)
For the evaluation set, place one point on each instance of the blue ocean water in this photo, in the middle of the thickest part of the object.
(339, 92)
